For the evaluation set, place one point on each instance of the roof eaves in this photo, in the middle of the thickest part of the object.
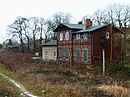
(50, 43)
(71, 26)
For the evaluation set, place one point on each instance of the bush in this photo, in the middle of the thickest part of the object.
(122, 68)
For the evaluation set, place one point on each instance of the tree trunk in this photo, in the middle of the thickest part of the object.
(22, 44)
(28, 44)
(34, 44)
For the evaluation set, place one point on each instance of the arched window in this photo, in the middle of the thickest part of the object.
(67, 53)
(85, 54)
(67, 35)
(61, 36)
(61, 53)
(78, 53)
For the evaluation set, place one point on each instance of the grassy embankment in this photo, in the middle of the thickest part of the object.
(6, 88)
(56, 80)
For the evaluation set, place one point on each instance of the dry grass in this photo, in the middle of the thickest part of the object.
(54, 80)
(117, 91)
(7, 89)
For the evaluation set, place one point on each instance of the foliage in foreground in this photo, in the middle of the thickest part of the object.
(120, 69)
(56, 80)
(116, 91)
(6, 89)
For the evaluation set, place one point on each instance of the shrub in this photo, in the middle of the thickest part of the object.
(121, 68)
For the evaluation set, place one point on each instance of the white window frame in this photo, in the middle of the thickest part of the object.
(85, 36)
(78, 36)
(46, 54)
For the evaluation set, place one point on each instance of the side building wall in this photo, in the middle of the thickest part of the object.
(49, 53)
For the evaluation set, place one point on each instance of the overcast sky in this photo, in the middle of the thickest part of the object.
(10, 9)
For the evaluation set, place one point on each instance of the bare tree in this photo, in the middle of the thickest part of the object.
(41, 28)
(99, 17)
(126, 16)
(16, 30)
(56, 19)
(118, 14)
(110, 14)
(33, 25)
(25, 27)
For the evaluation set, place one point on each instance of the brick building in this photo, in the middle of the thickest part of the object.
(80, 44)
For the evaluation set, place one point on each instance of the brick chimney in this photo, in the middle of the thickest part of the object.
(88, 23)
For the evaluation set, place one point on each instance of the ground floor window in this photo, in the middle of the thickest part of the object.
(78, 53)
(85, 54)
(67, 53)
(61, 53)
(46, 54)
(54, 54)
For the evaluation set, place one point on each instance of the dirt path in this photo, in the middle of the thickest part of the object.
(24, 92)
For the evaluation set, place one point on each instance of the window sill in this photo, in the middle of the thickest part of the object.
(77, 40)
(85, 39)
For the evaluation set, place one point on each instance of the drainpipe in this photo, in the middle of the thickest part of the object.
(72, 49)
(91, 49)
(57, 49)
(111, 46)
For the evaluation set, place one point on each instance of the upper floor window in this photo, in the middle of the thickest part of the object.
(67, 35)
(77, 36)
(61, 36)
(85, 36)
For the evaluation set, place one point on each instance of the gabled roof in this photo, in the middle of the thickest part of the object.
(93, 28)
(50, 43)
(70, 26)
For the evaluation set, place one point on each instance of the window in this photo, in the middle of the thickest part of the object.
(107, 35)
(78, 53)
(61, 53)
(85, 36)
(85, 54)
(54, 54)
(67, 35)
(46, 54)
(67, 53)
(61, 36)
(77, 36)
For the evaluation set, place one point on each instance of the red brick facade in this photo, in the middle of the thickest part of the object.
(74, 47)
(82, 44)
(112, 48)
